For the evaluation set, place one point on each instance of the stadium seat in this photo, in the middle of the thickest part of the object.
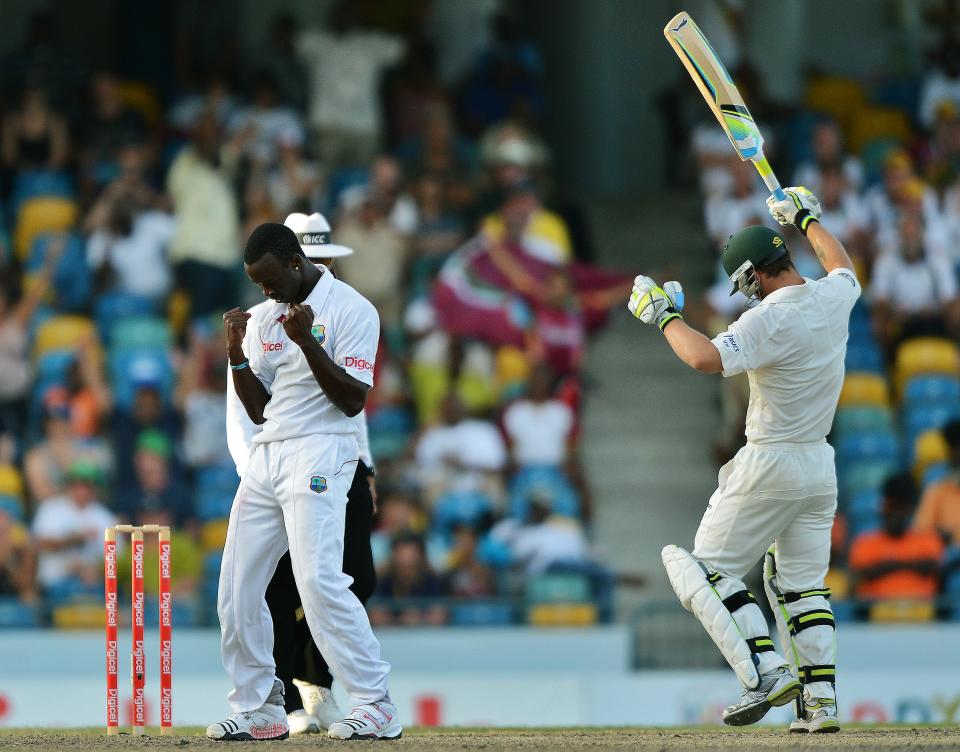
(39, 215)
(931, 388)
(865, 475)
(864, 389)
(838, 97)
(873, 157)
(565, 587)
(72, 282)
(460, 508)
(563, 615)
(141, 333)
(935, 473)
(872, 123)
(12, 506)
(868, 445)
(863, 512)
(930, 448)
(902, 611)
(79, 616)
(856, 419)
(924, 417)
(547, 483)
(482, 614)
(213, 535)
(17, 615)
(493, 552)
(864, 356)
(62, 333)
(926, 355)
(141, 98)
(111, 308)
(128, 368)
(11, 482)
(30, 184)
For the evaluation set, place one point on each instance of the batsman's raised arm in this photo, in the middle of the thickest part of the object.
(801, 209)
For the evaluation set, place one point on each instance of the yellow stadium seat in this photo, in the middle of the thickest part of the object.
(839, 583)
(79, 616)
(63, 333)
(39, 215)
(512, 367)
(902, 611)
(213, 535)
(930, 449)
(926, 355)
(11, 482)
(871, 123)
(840, 98)
(864, 389)
(562, 615)
(140, 98)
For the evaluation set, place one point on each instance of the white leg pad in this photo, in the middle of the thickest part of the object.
(689, 580)
(772, 591)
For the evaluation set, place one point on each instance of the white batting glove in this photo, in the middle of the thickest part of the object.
(653, 304)
(799, 208)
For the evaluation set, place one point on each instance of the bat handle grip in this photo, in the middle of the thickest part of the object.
(766, 172)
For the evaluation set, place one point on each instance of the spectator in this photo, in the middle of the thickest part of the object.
(17, 561)
(543, 540)
(46, 464)
(215, 97)
(281, 62)
(843, 210)
(205, 245)
(35, 137)
(941, 83)
(411, 93)
(408, 577)
(108, 127)
(460, 454)
(438, 233)
(900, 187)
(939, 509)
(186, 559)
(156, 489)
(465, 575)
(539, 427)
(913, 287)
(828, 153)
(294, 184)
(201, 399)
(726, 213)
(942, 164)
(69, 535)
(397, 513)
(522, 221)
(895, 561)
(254, 131)
(84, 394)
(345, 64)
(383, 189)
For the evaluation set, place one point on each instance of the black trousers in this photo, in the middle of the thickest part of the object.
(294, 650)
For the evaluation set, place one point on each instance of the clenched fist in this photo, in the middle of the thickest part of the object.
(235, 323)
(298, 323)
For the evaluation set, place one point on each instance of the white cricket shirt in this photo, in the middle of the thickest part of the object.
(347, 327)
(792, 347)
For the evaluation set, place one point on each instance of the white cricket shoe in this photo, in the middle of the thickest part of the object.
(777, 687)
(267, 722)
(378, 720)
(301, 722)
(819, 717)
(319, 702)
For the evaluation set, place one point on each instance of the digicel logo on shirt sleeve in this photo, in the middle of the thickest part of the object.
(361, 364)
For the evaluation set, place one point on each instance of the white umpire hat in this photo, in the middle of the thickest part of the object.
(313, 234)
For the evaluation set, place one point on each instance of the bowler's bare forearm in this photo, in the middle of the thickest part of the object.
(344, 391)
(829, 250)
(250, 390)
(692, 347)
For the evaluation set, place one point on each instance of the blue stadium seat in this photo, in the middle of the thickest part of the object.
(857, 419)
(547, 482)
(924, 416)
(868, 445)
(863, 511)
(51, 371)
(125, 365)
(12, 506)
(864, 356)
(17, 615)
(482, 614)
(391, 427)
(494, 552)
(935, 473)
(863, 475)
(460, 508)
(111, 308)
(933, 388)
(141, 332)
(72, 281)
(32, 183)
(216, 487)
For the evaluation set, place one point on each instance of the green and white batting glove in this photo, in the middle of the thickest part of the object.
(653, 304)
(799, 208)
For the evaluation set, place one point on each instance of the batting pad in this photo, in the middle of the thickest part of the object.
(697, 594)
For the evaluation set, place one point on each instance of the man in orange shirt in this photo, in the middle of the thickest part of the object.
(896, 562)
(939, 510)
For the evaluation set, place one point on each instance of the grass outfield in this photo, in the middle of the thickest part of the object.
(491, 740)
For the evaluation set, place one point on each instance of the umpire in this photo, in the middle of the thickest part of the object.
(305, 674)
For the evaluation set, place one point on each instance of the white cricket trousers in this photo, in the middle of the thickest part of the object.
(294, 494)
(783, 493)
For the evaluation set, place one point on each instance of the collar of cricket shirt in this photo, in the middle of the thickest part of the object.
(321, 291)
(789, 292)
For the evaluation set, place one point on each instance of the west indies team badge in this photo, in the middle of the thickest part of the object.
(318, 484)
(319, 333)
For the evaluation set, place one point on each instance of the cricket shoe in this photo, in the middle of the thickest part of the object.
(777, 687)
(819, 717)
(318, 702)
(378, 720)
(301, 722)
(267, 722)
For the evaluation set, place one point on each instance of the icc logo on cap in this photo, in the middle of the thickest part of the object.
(318, 484)
(319, 333)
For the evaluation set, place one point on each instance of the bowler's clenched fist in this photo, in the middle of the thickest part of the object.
(298, 323)
(235, 323)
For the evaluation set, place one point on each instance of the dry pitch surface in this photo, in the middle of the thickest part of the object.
(493, 740)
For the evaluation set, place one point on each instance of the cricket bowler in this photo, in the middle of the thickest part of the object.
(777, 497)
(301, 367)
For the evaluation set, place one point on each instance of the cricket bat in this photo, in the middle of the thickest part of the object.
(721, 93)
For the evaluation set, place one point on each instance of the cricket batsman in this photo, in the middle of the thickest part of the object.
(777, 497)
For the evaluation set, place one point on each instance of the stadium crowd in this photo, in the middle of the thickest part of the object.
(124, 215)
(884, 160)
